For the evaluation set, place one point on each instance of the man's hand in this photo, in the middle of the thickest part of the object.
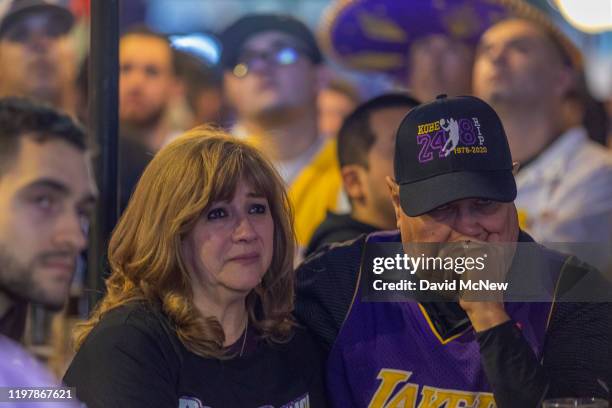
(484, 315)
(485, 308)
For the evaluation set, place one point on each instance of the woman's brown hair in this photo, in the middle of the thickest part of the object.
(182, 181)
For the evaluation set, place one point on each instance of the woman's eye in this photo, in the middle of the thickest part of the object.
(216, 213)
(258, 209)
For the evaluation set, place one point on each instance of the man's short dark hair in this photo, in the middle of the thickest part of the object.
(197, 75)
(21, 117)
(356, 137)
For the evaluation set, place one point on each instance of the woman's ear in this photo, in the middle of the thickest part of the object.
(515, 167)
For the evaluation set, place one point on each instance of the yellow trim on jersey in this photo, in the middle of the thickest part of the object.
(435, 332)
(553, 302)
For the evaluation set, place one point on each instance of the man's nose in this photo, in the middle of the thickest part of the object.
(467, 223)
(497, 54)
(70, 234)
(39, 40)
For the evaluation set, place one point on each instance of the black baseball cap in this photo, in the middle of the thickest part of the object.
(20, 8)
(235, 35)
(451, 149)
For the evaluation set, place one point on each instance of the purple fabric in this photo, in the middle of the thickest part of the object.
(19, 369)
(354, 26)
(398, 337)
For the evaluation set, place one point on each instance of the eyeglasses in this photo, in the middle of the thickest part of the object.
(285, 55)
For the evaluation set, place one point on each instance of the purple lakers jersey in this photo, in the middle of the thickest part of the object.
(390, 355)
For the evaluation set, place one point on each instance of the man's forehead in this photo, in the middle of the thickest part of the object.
(139, 46)
(513, 29)
(53, 158)
(437, 38)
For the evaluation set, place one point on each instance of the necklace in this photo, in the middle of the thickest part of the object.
(246, 329)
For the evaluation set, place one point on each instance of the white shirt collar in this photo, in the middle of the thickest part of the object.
(551, 161)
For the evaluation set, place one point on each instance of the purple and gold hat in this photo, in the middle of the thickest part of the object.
(375, 35)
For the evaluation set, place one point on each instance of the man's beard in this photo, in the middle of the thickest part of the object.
(143, 124)
(18, 279)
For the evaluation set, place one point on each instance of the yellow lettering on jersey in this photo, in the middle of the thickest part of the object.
(437, 398)
(405, 398)
(431, 397)
(485, 401)
(389, 380)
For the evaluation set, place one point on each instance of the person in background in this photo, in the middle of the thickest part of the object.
(271, 75)
(525, 68)
(366, 143)
(198, 304)
(134, 155)
(336, 100)
(202, 85)
(147, 87)
(47, 195)
(439, 64)
(425, 46)
(38, 57)
(580, 108)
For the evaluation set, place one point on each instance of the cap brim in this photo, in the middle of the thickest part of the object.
(423, 196)
(63, 16)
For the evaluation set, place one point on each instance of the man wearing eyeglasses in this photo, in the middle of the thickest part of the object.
(271, 74)
(37, 53)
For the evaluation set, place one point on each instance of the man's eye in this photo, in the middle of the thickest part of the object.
(152, 71)
(487, 204)
(84, 221)
(45, 202)
(286, 55)
(216, 213)
(17, 34)
(258, 209)
(484, 202)
(522, 48)
(441, 212)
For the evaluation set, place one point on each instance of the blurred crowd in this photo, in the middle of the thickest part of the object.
(277, 87)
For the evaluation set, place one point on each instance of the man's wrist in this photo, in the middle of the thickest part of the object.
(487, 316)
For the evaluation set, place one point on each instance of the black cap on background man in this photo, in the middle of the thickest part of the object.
(38, 54)
(235, 35)
(21, 8)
